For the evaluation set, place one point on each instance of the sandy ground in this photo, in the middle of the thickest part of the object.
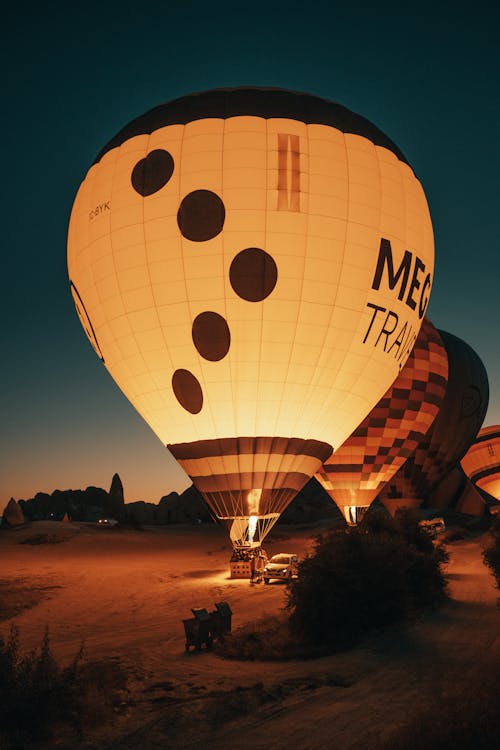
(125, 594)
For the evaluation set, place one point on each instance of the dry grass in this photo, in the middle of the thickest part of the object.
(19, 594)
(491, 554)
(463, 713)
(268, 639)
(44, 539)
(40, 700)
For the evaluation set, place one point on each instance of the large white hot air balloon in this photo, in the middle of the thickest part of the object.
(252, 266)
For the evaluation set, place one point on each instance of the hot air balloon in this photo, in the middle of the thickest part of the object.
(481, 463)
(355, 474)
(450, 435)
(252, 266)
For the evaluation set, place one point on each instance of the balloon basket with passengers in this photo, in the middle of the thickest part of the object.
(247, 533)
(249, 560)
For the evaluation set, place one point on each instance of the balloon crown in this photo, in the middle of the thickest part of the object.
(257, 102)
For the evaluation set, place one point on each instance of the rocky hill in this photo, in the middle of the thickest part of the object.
(94, 503)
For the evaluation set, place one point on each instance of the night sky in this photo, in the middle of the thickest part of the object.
(427, 74)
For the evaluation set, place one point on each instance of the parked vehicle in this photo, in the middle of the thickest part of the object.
(434, 526)
(283, 566)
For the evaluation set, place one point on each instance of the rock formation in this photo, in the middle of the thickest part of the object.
(13, 515)
(116, 498)
(188, 507)
(311, 504)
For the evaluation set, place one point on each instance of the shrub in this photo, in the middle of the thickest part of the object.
(37, 695)
(364, 578)
(405, 524)
(268, 639)
(491, 555)
(408, 526)
(34, 691)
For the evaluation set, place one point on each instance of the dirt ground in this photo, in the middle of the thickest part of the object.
(125, 594)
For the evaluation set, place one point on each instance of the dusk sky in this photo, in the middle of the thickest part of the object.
(427, 74)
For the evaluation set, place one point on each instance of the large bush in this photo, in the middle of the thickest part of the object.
(491, 554)
(364, 578)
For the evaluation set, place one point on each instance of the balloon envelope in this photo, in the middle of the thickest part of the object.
(452, 432)
(252, 266)
(481, 463)
(355, 474)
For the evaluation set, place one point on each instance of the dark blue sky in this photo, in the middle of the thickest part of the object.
(427, 74)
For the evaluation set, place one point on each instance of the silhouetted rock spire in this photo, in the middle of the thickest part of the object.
(13, 515)
(116, 499)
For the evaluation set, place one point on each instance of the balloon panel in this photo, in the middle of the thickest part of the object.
(255, 101)
(357, 471)
(305, 250)
(481, 463)
(242, 477)
(454, 429)
(85, 321)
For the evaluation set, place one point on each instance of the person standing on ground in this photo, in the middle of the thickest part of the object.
(253, 568)
(260, 564)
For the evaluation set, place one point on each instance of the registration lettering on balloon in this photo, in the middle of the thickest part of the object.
(256, 284)
(99, 210)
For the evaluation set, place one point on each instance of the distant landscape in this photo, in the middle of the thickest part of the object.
(94, 503)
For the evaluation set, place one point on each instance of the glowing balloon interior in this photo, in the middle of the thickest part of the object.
(252, 266)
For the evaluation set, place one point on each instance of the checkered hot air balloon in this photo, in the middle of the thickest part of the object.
(356, 473)
(481, 463)
(450, 435)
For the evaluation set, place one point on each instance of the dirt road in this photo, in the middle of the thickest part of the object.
(125, 594)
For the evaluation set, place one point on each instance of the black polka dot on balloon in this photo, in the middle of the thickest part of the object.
(153, 172)
(201, 215)
(211, 336)
(187, 390)
(253, 274)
